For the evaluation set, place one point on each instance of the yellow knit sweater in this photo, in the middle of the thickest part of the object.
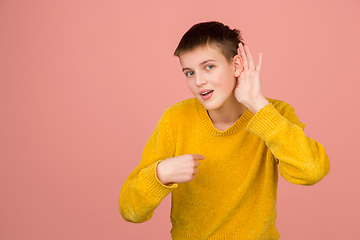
(234, 194)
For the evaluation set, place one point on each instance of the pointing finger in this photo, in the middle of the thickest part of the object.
(198, 156)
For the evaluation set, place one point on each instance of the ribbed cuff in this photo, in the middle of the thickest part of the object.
(264, 121)
(156, 188)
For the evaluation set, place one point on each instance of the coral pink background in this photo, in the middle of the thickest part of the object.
(83, 83)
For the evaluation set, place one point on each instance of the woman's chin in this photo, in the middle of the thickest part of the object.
(210, 106)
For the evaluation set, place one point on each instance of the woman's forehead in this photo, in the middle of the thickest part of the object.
(200, 55)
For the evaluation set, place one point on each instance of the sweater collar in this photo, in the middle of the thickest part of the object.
(203, 114)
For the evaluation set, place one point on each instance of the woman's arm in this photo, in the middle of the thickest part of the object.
(142, 192)
(301, 159)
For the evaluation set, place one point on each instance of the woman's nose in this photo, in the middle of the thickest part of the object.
(200, 80)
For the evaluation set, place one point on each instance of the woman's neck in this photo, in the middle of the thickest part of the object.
(225, 116)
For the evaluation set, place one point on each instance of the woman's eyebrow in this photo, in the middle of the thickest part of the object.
(207, 60)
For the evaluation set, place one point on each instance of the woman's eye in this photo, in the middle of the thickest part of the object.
(189, 74)
(209, 66)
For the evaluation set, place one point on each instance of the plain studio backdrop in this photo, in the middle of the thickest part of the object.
(83, 84)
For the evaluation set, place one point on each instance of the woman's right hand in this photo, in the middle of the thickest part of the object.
(178, 169)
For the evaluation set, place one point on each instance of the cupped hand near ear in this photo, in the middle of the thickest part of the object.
(248, 90)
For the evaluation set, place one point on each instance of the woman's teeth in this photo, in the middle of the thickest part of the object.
(207, 92)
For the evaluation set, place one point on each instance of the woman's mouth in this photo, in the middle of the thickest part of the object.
(207, 94)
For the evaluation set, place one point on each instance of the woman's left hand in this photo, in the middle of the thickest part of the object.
(248, 90)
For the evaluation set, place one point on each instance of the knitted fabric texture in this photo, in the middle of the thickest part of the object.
(234, 194)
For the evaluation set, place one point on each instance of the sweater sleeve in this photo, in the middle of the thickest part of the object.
(301, 159)
(142, 192)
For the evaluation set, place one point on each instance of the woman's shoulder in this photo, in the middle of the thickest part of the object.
(186, 106)
(286, 110)
(280, 105)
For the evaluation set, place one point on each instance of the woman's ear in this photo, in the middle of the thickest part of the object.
(238, 65)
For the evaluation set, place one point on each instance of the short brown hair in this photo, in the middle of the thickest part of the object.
(208, 33)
